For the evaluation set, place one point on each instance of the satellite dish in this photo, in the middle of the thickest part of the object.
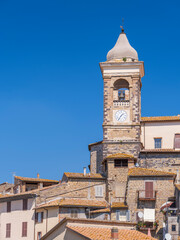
(168, 236)
(140, 214)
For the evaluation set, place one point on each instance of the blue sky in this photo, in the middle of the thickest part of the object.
(51, 88)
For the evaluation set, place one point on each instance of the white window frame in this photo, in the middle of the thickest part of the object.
(99, 191)
(123, 215)
(156, 144)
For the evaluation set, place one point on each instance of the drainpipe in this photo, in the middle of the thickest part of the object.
(35, 220)
(46, 218)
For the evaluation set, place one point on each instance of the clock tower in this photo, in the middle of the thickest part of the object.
(122, 73)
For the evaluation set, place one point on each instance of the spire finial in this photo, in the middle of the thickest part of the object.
(122, 27)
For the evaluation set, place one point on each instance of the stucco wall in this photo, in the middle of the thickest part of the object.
(50, 219)
(166, 130)
(16, 217)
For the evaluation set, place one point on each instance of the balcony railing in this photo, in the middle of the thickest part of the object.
(147, 195)
(118, 103)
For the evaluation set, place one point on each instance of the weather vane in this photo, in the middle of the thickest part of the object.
(122, 27)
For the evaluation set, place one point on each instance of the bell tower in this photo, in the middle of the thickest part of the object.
(122, 73)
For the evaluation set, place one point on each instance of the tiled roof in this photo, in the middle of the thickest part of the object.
(120, 155)
(28, 194)
(93, 144)
(118, 205)
(160, 119)
(160, 150)
(81, 175)
(148, 172)
(102, 233)
(26, 179)
(31, 193)
(101, 210)
(75, 202)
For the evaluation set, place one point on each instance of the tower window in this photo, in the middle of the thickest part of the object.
(157, 142)
(121, 91)
(120, 163)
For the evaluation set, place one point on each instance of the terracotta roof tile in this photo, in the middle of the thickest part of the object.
(104, 210)
(160, 150)
(120, 155)
(68, 202)
(118, 205)
(26, 179)
(81, 175)
(160, 119)
(102, 233)
(148, 172)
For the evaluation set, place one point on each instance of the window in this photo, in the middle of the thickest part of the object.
(105, 166)
(177, 140)
(39, 217)
(157, 142)
(120, 163)
(121, 90)
(98, 191)
(173, 227)
(24, 229)
(74, 213)
(8, 206)
(25, 204)
(39, 235)
(149, 190)
(122, 215)
(8, 230)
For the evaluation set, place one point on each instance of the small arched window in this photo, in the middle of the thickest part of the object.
(121, 90)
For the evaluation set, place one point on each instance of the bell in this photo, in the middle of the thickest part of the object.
(121, 95)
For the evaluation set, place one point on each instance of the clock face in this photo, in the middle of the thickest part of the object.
(121, 115)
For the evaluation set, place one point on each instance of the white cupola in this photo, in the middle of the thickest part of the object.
(122, 49)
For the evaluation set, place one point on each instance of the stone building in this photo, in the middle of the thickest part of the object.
(133, 170)
(94, 229)
(147, 146)
(24, 184)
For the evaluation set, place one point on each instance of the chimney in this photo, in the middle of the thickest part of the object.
(37, 175)
(114, 233)
(84, 171)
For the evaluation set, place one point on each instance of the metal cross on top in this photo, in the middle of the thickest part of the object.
(122, 25)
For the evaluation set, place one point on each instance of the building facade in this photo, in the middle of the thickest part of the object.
(133, 170)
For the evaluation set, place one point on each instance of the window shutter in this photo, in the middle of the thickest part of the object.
(101, 191)
(117, 214)
(8, 206)
(177, 141)
(42, 216)
(8, 230)
(149, 189)
(24, 229)
(75, 214)
(25, 204)
(128, 215)
(36, 217)
(98, 191)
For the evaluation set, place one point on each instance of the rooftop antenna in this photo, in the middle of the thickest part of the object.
(13, 175)
(122, 26)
